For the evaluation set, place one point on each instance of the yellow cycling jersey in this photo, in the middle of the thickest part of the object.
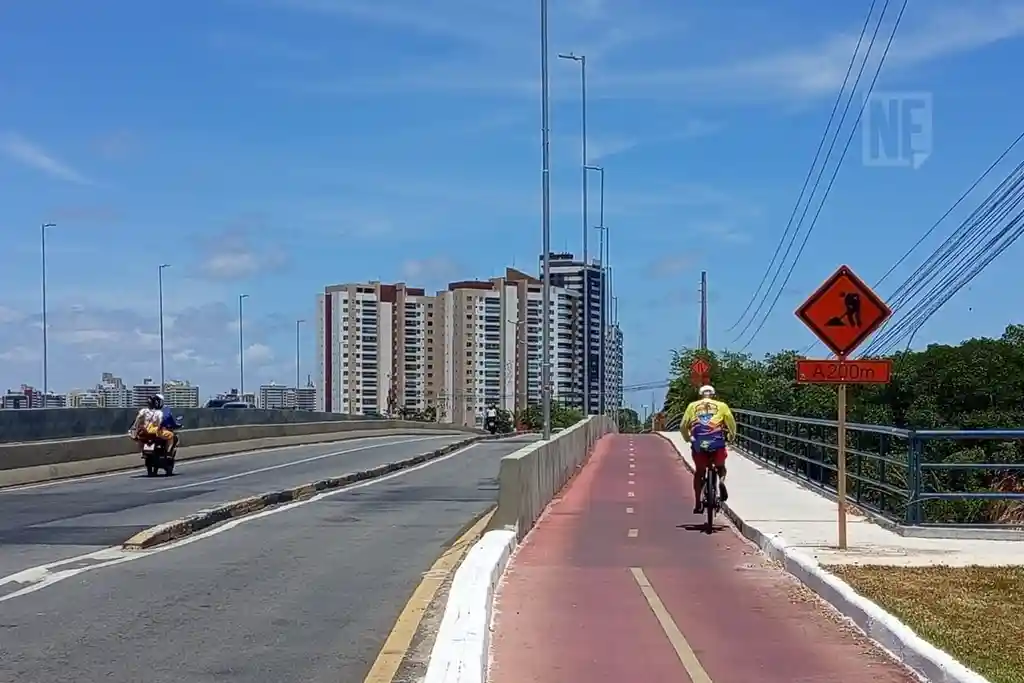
(708, 422)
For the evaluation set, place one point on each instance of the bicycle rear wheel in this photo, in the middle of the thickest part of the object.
(710, 495)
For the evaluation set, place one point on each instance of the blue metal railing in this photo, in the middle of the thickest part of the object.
(914, 477)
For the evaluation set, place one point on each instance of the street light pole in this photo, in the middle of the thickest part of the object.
(241, 349)
(160, 284)
(582, 61)
(545, 222)
(298, 337)
(46, 348)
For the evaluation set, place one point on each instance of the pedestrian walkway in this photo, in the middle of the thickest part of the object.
(618, 582)
(774, 504)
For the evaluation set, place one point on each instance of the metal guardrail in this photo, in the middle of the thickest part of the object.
(935, 477)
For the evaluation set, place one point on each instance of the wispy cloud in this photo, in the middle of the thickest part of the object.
(929, 32)
(430, 271)
(232, 255)
(118, 145)
(24, 151)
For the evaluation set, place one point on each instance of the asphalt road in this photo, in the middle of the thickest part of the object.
(49, 522)
(306, 593)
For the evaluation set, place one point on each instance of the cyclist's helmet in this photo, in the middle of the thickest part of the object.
(156, 401)
(707, 391)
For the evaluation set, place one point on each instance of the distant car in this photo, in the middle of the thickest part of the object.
(217, 402)
(237, 404)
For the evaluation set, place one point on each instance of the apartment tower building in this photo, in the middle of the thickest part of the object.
(372, 348)
(586, 281)
(477, 343)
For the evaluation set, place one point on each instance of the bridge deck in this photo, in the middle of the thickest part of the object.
(618, 587)
(774, 504)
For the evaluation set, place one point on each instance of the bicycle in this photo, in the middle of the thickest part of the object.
(710, 496)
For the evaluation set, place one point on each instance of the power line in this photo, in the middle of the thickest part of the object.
(832, 180)
(966, 263)
(814, 162)
(969, 229)
(930, 230)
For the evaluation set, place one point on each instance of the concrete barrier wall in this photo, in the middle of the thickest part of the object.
(530, 478)
(68, 423)
(56, 452)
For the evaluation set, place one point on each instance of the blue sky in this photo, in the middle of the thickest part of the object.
(272, 147)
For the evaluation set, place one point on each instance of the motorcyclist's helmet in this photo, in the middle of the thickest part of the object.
(156, 401)
(707, 391)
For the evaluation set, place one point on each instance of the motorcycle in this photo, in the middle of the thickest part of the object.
(159, 454)
(491, 425)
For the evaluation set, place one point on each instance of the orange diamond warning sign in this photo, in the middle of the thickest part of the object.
(843, 312)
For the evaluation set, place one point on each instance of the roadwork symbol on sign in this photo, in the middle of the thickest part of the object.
(843, 312)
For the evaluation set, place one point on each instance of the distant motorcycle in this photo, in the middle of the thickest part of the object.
(159, 454)
(491, 425)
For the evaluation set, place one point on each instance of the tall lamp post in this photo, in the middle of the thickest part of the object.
(160, 287)
(298, 346)
(545, 221)
(241, 349)
(582, 61)
(46, 349)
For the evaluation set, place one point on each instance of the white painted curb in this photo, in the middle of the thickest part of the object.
(925, 659)
(462, 647)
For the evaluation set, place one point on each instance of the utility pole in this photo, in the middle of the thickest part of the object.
(704, 310)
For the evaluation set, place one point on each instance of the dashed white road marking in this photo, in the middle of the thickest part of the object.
(629, 511)
(630, 494)
(292, 463)
(633, 533)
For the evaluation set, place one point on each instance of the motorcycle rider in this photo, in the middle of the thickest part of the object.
(155, 421)
(491, 416)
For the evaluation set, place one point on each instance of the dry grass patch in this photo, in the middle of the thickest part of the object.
(976, 614)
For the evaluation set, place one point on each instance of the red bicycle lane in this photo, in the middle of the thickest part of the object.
(618, 582)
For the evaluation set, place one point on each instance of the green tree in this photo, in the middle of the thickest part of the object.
(976, 384)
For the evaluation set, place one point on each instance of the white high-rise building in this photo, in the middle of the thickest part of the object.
(586, 281)
(613, 367)
(181, 394)
(373, 344)
(392, 348)
(275, 397)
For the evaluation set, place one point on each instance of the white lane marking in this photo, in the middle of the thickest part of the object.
(687, 657)
(630, 494)
(213, 458)
(633, 533)
(632, 465)
(291, 463)
(631, 482)
(629, 511)
(48, 574)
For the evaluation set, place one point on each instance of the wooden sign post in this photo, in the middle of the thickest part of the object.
(842, 313)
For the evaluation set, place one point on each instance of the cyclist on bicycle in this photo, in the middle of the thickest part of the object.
(709, 426)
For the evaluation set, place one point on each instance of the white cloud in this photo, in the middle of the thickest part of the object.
(259, 354)
(929, 32)
(24, 151)
(430, 269)
(232, 256)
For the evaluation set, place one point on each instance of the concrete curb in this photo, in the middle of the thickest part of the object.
(204, 519)
(462, 648)
(928, 661)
